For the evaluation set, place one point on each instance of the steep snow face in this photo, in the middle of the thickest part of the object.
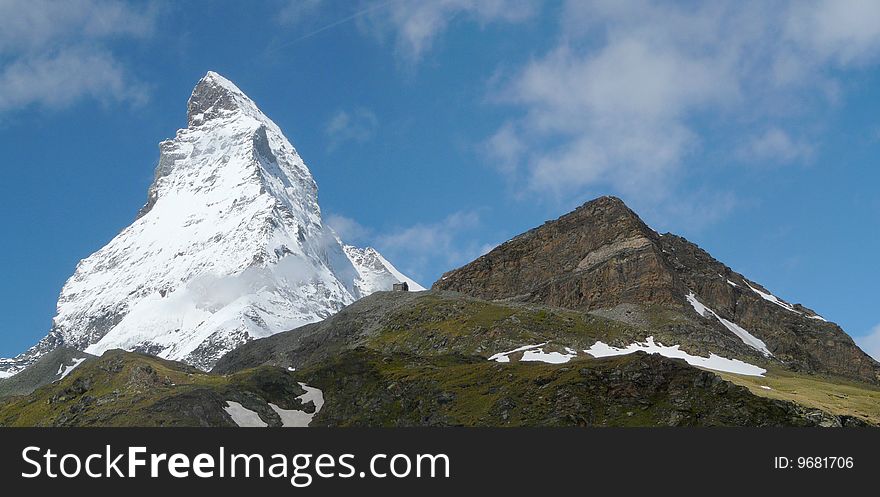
(229, 247)
(374, 272)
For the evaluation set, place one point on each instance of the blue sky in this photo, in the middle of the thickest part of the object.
(439, 128)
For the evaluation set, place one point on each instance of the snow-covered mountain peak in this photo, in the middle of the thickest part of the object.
(216, 97)
(230, 246)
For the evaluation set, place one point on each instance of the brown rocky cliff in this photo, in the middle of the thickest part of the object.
(794, 334)
(602, 255)
(597, 256)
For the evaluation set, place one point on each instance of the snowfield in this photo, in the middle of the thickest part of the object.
(301, 419)
(536, 353)
(714, 362)
(290, 418)
(244, 417)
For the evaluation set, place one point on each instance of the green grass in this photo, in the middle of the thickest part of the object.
(834, 395)
(127, 389)
(366, 388)
(435, 325)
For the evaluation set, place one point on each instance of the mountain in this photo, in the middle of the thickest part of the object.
(577, 294)
(590, 320)
(130, 389)
(410, 359)
(229, 247)
(440, 358)
(51, 367)
(602, 258)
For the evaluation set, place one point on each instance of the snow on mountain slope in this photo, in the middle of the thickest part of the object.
(375, 272)
(229, 247)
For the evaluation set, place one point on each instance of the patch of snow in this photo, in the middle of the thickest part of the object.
(291, 369)
(503, 356)
(747, 338)
(769, 297)
(244, 417)
(68, 369)
(538, 355)
(4, 374)
(732, 284)
(713, 362)
(765, 387)
(290, 418)
(301, 419)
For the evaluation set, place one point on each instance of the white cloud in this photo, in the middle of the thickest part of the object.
(347, 228)
(358, 125)
(446, 243)
(415, 25)
(59, 79)
(844, 30)
(27, 25)
(58, 52)
(870, 343)
(616, 103)
(776, 145)
(296, 11)
(506, 148)
(419, 249)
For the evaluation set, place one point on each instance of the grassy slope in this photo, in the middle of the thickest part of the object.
(126, 389)
(365, 388)
(437, 325)
(835, 395)
(424, 363)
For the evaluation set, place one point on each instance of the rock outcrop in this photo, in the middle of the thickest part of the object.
(602, 256)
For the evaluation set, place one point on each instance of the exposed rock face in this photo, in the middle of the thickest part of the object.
(595, 257)
(799, 337)
(602, 255)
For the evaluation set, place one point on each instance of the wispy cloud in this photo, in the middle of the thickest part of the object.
(414, 26)
(59, 79)
(349, 230)
(55, 53)
(295, 12)
(870, 343)
(358, 125)
(447, 243)
(776, 146)
(616, 103)
(419, 249)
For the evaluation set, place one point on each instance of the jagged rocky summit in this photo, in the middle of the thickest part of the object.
(229, 247)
